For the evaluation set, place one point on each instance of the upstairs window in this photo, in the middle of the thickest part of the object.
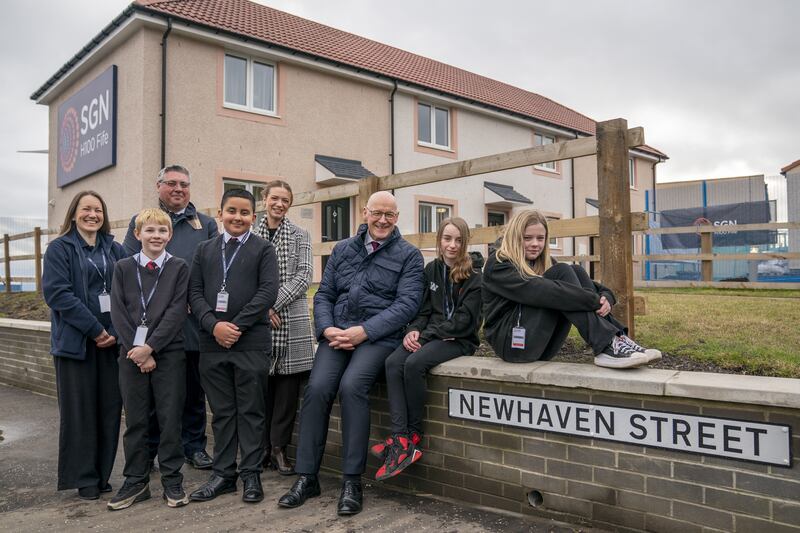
(543, 140)
(249, 84)
(431, 215)
(632, 172)
(256, 188)
(433, 126)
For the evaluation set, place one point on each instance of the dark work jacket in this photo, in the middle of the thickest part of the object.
(380, 291)
(166, 311)
(465, 322)
(507, 296)
(65, 279)
(189, 229)
(252, 288)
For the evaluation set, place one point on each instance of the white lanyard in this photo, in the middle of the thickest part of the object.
(146, 302)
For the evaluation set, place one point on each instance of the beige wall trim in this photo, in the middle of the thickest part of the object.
(758, 390)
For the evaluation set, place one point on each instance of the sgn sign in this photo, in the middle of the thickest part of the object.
(87, 129)
(733, 439)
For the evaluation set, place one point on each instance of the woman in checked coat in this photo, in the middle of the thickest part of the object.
(292, 348)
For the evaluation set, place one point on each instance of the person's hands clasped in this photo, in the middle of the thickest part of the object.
(345, 339)
(274, 319)
(605, 307)
(226, 334)
(104, 340)
(139, 354)
(411, 341)
(148, 365)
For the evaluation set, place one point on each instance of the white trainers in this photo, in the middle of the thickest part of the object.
(619, 355)
(651, 353)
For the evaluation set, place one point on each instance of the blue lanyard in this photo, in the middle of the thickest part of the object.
(146, 302)
(105, 268)
(447, 300)
(226, 265)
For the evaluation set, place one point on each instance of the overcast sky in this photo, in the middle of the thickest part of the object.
(714, 83)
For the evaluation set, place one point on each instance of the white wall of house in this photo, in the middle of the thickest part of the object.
(473, 134)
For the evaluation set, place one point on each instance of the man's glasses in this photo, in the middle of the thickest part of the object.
(175, 183)
(391, 216)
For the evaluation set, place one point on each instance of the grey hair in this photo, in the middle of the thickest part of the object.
(173, 168)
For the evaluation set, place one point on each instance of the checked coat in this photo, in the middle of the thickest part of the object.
(292, 342)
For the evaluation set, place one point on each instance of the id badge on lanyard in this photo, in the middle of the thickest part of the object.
(222, 295)
(104, 298)
(105, 302)
(141, 332)
(518, 334)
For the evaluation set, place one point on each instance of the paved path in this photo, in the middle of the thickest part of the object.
(28, 501)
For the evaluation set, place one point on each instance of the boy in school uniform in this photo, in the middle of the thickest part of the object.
(148, 311)
(233, 284)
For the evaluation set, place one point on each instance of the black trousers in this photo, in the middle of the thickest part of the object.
(162, 391)
(597, 331)
(406, 381)
(281, 396)
(89, 405)
(193, 421)
(234, 384)
(351, 374)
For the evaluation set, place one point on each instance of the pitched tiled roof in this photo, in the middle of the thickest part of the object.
(507, 192)
(283, 29)
(343, 168)
(790, 166)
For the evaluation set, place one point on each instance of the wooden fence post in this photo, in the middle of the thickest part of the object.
(707, 247)
(7, 260)
(366, 187)
(37, 252)
(615, 247)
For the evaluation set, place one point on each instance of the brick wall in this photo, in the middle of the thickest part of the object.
(606, 484)
(25, 359)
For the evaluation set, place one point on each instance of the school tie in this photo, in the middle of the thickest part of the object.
(375, 245)
(152, 266)
(231, 246)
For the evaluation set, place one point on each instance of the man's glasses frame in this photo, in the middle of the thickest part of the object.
(391, 216)
(172, 184)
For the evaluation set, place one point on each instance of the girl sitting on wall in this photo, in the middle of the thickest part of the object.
(530, 302)
(446, 327)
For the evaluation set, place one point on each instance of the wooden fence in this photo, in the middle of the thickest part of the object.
(611, 230)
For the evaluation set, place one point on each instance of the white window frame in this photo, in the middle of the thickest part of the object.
(248, 107)
(432, 143)
(632, 172)
(249, 186)
(550, 166)
(434, 220)
(553, 240)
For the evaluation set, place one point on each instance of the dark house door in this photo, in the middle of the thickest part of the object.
(335, 222)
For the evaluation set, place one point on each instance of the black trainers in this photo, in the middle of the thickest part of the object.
(619, 355)
(129, 494)
(175, 496)
(651, 353)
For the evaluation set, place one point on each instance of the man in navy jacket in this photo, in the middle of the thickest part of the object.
(189, 228)
(371, 288)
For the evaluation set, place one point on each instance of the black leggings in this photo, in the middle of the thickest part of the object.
(405, 379)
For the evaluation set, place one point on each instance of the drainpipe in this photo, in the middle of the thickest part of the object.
(391, 120)
(164, 93)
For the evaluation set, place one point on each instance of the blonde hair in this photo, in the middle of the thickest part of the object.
(513, 249)
(153, 215)
(462, 268)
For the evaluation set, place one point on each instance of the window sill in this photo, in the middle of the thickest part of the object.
(435, 147)
(255, 111)
(545, 169)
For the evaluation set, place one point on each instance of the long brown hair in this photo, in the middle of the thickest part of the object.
(462, 268)
(512, 248)
(69, 223)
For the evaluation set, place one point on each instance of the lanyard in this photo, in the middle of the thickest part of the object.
(226, 265)
(146, 302)
(447, 299)
(519, 313)
(103, 272)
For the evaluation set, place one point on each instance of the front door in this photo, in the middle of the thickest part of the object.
(335, 222)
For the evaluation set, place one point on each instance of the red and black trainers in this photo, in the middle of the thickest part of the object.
(401, 453)
(381, 449)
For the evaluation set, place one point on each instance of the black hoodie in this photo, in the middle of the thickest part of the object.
(507, 296)
(465, 322)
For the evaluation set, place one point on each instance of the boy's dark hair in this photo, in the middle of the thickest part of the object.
(238, 193)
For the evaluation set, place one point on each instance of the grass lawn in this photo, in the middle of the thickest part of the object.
(757, 331)
(746, 331)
